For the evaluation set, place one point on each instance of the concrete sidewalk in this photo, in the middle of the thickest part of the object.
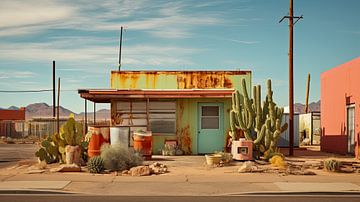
(187, 177)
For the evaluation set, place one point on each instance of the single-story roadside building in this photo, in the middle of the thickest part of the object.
(12, 122)
(190, 107)
(340, 108)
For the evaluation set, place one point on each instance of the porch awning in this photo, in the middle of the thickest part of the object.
(106, 95)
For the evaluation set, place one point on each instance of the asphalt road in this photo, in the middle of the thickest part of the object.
(11, 153)
(243, 198)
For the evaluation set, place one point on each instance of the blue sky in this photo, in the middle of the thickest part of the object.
(206, 35)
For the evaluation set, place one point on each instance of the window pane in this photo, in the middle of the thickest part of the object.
(162, 126)
(210, 123)
(210, 111)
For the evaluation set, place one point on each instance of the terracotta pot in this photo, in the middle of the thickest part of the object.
(73, 154)
(213, 159)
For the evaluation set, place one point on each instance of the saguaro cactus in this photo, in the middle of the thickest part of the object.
(260, 123)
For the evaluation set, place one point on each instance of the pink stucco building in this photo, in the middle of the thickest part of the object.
(340, 108)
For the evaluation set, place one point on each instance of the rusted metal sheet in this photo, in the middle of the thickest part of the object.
(108, 95)
(178, 79)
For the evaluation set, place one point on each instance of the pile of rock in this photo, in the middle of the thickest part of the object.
(146, 170)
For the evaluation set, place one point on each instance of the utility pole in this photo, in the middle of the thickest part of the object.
(307, 94)
(291, 75)
(54, 104)
(121, 33)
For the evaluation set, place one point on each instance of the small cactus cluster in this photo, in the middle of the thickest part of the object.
(53, 148)
(260, 123)
(96, 164)
(332, 165)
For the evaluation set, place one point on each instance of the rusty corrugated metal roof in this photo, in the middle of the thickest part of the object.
(106, 95)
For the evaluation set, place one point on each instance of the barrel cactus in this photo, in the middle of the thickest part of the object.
(96, 164)
(332, 165)
(260, 123)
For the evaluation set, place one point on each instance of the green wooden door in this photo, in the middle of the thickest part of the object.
(210, 127)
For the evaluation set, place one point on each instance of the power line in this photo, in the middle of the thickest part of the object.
(25, 91)
(30, 91)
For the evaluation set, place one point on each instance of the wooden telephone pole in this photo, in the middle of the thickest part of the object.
(307, 94)
(291, 18)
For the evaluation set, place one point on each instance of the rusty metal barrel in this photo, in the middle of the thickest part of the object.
(143, 143)
(96, 141)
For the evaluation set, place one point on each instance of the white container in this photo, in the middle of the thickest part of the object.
(120, 136)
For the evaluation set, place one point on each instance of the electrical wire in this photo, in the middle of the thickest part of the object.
(30, 91)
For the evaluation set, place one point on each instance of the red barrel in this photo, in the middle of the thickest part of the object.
(96, 141)
(143, 144)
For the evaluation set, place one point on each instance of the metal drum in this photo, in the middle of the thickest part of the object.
(120, 136)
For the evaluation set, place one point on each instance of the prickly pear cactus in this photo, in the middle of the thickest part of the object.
(96, 164)
(53, 149)
(49, 152)
(261, 123)
(71, 132)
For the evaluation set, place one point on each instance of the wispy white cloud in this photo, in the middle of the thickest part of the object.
(21, 18)
(16, 74)
(102, 55)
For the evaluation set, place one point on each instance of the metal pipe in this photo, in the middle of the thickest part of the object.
(121, 32)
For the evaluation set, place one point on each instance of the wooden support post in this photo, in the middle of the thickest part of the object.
(147, 114)
(58, 109)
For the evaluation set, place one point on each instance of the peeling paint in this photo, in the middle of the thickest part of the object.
(184, 139)
(177, 79)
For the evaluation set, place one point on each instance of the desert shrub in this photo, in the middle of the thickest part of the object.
(118, 158)
(96, 164)
(277, 161)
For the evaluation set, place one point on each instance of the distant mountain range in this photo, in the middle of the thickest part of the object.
(313, 107)
(45, 110)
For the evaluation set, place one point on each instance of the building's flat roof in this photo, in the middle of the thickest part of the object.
(231, 72)
(106, 95)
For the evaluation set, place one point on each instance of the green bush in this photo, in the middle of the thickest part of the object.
(118, 158)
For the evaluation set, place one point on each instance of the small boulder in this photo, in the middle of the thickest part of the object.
(68, 168)
(125, 172)
(246, 167)
(140, 171)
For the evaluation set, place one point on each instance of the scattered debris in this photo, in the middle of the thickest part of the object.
(247, 167)
(35, 171)
(291, 171)
(158, 168)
